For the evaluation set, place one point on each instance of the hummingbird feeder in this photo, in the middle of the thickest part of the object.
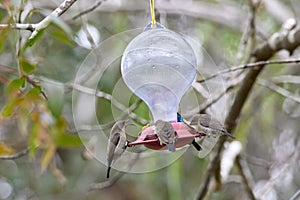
(158, 66)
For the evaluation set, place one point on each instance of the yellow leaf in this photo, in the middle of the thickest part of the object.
(6, 149)
(48, 156)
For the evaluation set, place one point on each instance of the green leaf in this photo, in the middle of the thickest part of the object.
(3, 37)
(62, 31)
(5, 149)
(67, 140)
(62, 36)
(35, 90)
(63, 139)
(33, 140)
(15, 85)
(48, 156)
(10, 107)
(26, 66)
(55, 95)
(31, 41)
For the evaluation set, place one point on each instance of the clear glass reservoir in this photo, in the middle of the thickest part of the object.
(159, 66)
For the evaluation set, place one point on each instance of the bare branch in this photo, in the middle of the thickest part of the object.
(100, 94)
(278, 177)
(252, 65)
(96, 5)
(246, 176)
(105, 184)
(296, 195)
(258, 161)
(286, 79)
(30, 27)
(108, 183)
(287, 38)
(61, 9)
(36, 28)
(249, 36)
(279, 90)
(110, 124)
(110, 98)
(16, 155)
(202, 108)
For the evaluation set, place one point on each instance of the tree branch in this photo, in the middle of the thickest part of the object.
(36, 28)
(287, 38)
(279, 90)
(16, 155)
(296, 195)
(96, 5)
(29, 27)
(246, 178)
(252, 65)
(61, 9)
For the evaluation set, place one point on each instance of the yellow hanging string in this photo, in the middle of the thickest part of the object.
(153, 22)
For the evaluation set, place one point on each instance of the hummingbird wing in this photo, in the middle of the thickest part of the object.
(208, 121)
(116, 143)
(111, 147)
(195, 120)
(166, 134)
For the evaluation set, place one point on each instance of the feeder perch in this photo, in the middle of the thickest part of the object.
(185, 135)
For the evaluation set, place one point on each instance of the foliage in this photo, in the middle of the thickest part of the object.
(39, 97)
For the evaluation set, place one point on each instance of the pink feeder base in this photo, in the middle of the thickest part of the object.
(185, 135)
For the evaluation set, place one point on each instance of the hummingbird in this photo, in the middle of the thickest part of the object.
(165, 133)
(210, 125)
(117, 143)
(194, 143)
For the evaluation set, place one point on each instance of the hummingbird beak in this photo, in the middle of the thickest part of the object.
(229, 135)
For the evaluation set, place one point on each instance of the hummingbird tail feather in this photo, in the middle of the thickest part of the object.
(171, 147)
(196, 145)
(108, 171)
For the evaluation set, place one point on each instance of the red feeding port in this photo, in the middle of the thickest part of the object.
(185, 135)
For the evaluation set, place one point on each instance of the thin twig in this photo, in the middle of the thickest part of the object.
(258, 161)
(34, 84)
(249, 35)
(109, 97)
(276, 42)
(20, 26)
(280, 173)
(279, 90)
(251, 65)
(57, 173)
(96, 5)
(16, 155)
(246, 176)
(110, 124)
(203, 107)
(296, 195)
(108, 183)
(286, 79)
(72, 86)
(253, 8)
(61, 9)
(36, 28)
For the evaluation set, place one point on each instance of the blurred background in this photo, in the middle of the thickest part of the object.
(229, 31)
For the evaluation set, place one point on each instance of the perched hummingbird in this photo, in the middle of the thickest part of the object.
(165, 133)
(194, 143)
(210, 125)
(117, 143)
